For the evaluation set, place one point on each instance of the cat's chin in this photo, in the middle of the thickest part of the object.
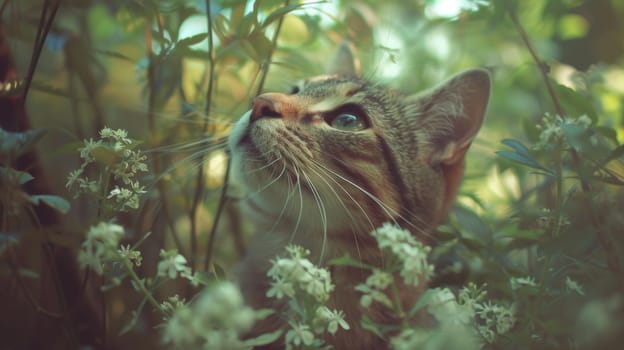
(239, 132)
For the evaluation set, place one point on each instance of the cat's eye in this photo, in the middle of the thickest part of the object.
(348, 122)
(294, 90)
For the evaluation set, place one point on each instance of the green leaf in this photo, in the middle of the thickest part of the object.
(18, 143)
(607, 132)
(347, 260)
(28, 273)
(280, 12)
(577, 136)
(575, 103)
(115, 54)
(521, 155)
(263, 339)
(136, 314)
(56, 202)
(21, 177)
(422, 302)
(471, 227)
(371, 326)
(7, 238)
(104, 155)
(192, 40)
(617, 153)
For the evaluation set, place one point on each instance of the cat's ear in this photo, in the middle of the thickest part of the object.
(452, 113)
(345, 61)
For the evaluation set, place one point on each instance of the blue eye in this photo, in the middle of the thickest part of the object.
(348, 122)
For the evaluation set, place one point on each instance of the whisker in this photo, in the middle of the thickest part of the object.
(322, 212)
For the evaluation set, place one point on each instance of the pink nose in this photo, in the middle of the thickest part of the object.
(264, 107)
(273, 105)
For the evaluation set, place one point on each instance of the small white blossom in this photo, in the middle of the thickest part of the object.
(520, 282)
(280, 287)
(551, 131)
(215, 320)
(444, 307)
(171, 263)
(494, 320)
(133, 255)
(574, 286)
(172, 304)
(299, 334)
(99, 245)
(412, 254)
(331, 319)
(379, 279)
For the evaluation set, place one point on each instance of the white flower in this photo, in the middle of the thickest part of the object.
(494, 320)
(299, 334)
(133, 255)
(171, 264)
(280, 288)
(412, 254)
(379, 279)
(519, 282)
(297, 271)
(444, 307)
(100, 245)
(574, 286)
(415, 265)
(215, 320)
(332, 319)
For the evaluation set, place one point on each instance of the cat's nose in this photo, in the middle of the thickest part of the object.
(272, 105)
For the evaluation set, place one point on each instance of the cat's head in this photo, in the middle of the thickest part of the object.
(341, 153)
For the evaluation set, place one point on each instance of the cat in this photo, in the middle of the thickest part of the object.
(335, 158)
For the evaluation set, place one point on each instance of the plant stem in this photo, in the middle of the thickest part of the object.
(397, 302)
(267, 63)
(199, 182)
(215, 224)
(138, 282)
(45, 23)
(543, 66)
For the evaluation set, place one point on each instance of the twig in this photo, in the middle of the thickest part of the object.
(199, 182)
(218, 214)
(267, 62)
(45, 23)
(543, 66)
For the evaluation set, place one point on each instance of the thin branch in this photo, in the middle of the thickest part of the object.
(218, 214)
(199, 182)
(45, 23)
(267, 63)
(543, 66)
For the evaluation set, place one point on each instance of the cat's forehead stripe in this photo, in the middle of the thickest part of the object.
(342, 94)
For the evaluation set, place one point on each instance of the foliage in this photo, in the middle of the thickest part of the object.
(531, 257)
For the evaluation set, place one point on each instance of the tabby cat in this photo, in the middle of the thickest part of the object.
(339, 156)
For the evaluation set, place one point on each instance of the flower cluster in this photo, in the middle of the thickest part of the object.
(307, 288)
(215, 320)
(100, 246)
(404, 247)
(295, 271)
(552, 128)
(114, 153)
(471, 311)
